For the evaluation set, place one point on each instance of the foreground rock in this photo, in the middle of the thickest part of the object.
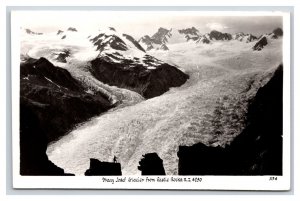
(256, 151)
(145, 80)
(51, 103)
(99, 168)
(151, 164)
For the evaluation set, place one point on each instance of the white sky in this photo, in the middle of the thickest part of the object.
(139, 23)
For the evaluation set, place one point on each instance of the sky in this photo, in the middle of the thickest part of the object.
(140, 23)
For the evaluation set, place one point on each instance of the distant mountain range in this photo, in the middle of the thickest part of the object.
(163, 37)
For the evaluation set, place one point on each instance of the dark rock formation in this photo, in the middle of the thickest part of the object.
(62, 57)
(200, 159)
(256, 151)
(59, 32)
(28, 31)
(63, 37)
(33, 143)
(160, 37)
(147, 41)
(51, 103)
(112, 29)
(72, 29)
(278, 32)
(190, 31)
(148, 83)
(260, 44)
(216, 35)
(98, 168)
(151, 164)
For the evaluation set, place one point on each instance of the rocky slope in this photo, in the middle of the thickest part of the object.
(256, 151)
(149, 79)
(51, 103)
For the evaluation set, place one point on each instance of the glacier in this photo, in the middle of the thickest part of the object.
(223, 75)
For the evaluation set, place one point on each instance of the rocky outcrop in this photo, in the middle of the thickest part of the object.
(51, 103)
(62, 56)
(161, 36)
(72, 29)
(260, 44)
(216, 35)
(131, 39)
(99, 168)
(33, 143)
(151, 164)
(137, 77)
(59, 32)
(28, 31)
(189, 31)
(157, 40)
(102, 41)
(256, 151)
(278, 32)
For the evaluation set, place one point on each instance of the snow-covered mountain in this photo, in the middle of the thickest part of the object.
(93, 52)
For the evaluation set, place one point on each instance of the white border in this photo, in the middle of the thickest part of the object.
(208, 182)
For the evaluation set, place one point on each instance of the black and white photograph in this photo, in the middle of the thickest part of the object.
(167, 98)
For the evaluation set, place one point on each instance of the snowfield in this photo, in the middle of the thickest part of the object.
(208, 108)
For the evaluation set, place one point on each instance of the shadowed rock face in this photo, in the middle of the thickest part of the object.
(256, 151)
(148, 83)
(219, 35)
(51, 103)
(62, 57)
(160, 36)
(260, 44)
(98, 168)
(33, 143)
(191, 31)
(151, 164)
(131, 39)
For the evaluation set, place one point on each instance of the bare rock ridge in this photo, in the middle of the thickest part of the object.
(72, 29)
(151, 164)
(260, 44)
(131, 39)
(216, 35)
(51, 103)
(138, 78)
(256, 151)
(99, 168)
(28, 31)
